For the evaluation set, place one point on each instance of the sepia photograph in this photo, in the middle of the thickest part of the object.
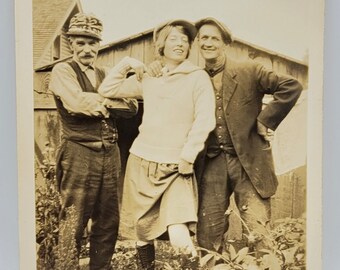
(169, 134)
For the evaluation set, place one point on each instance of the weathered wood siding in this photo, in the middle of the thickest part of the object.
(142, 48)
(65, 49)
(290, 198)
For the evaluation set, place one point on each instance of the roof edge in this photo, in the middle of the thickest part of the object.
(76, 3)
(150, 31)
(271, 52)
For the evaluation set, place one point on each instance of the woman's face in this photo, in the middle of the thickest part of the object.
(176, 47)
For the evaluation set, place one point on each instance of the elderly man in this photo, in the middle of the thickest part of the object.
(88, 160)
(238, 157)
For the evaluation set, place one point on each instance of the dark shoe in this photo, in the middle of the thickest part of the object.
(146, 257)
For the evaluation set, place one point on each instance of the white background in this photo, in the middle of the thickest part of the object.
(9, 243)
(278, 25)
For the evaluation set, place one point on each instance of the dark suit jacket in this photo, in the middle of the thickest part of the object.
(244, 85)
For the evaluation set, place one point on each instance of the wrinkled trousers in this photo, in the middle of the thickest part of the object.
(88, 181)
(224, 175)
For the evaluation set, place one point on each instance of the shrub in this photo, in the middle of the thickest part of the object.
(67, 250)
(47, 206)
(286, 249)
(286, 241)
(52, 253)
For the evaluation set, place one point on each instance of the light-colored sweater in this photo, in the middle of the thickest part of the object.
(179, 110)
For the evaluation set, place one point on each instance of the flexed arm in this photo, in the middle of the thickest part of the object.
(116, 85)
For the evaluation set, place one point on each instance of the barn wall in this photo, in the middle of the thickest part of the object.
(65, 49)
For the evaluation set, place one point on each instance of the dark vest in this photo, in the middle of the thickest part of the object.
(92, 132)
(219, 139)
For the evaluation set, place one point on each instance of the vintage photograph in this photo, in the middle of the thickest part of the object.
(173, 134)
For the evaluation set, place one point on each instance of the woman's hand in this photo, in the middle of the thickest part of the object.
(155, 69)
(185, 168)
(137, 66)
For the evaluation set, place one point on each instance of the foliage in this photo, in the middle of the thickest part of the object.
(67, 251)
(53, 253)
(166, 256)
(124, 256)
(47, 212)
(285, 241)
(285, 249)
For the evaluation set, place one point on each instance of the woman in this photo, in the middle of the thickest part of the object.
(179, 112)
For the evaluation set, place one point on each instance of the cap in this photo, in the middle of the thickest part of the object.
(190, 27)
(225, 32)
(87, 25)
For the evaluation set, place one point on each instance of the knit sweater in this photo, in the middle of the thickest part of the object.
(179, 110)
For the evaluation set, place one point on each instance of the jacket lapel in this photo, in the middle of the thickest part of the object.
(229, 82)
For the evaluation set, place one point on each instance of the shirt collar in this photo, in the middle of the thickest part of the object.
(185, 67)
(83, 67)
(216, 68)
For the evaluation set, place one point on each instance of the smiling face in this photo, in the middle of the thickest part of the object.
(176, 46)
(85, 49)
(210, 42)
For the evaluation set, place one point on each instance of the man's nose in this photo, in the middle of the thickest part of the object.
(87, 48)
(208, 42)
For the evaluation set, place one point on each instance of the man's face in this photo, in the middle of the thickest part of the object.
(210, 42)
(85, 49)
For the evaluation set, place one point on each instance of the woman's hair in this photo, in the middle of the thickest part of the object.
(164, 33)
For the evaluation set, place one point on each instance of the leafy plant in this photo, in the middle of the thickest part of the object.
(285, 241)
(47, 212)
(124, 256)
(286, 249)
(67, 251)
(52, 252)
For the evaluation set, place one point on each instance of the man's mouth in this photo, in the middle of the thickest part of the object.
(208, 50)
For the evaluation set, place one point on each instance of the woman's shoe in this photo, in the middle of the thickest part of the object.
(146, 257)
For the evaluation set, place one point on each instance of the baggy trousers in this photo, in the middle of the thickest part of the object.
(224, 175)
(88, 180)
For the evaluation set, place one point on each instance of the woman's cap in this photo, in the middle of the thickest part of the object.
(225, 32)
(87, 25)
(190, 27)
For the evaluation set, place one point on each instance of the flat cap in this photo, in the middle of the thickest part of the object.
(190, 27)
(87, 25)
(225, 32)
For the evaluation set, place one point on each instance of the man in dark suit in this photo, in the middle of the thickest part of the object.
(238, 158)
